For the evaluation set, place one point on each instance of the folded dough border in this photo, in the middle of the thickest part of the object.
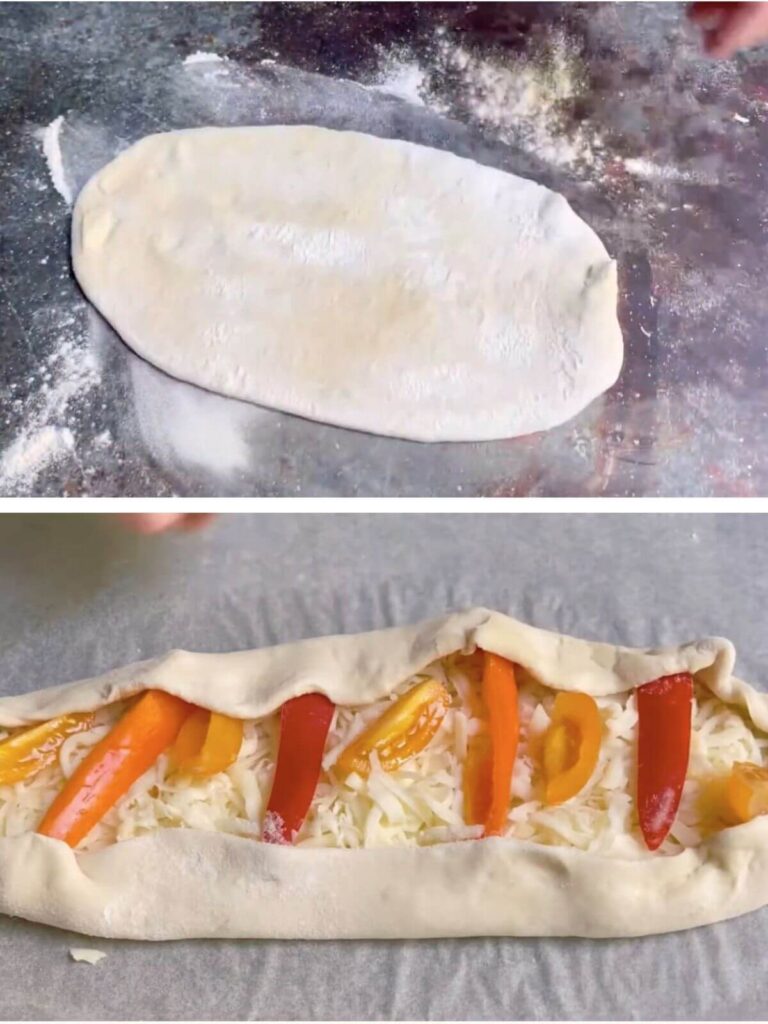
(184, 883)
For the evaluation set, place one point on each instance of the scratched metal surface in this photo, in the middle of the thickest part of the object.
(678, 193)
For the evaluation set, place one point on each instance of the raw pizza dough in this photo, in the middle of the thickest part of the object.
(184, 883)
(365, 282)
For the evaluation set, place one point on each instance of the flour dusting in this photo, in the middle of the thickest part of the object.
(323, 247)
(643, 168)
(273, 829)
(402, 78)
(183, 424)
(50, 138)
(523, 99)
(648, 170)
(203, 57)
(46, 435)
(32, 451)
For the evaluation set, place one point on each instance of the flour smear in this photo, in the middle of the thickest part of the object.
(47, 433)
(46, 418)
(184, 424)
(402, 78)
(32, 451)
(51, 141)
(523, 98)
(203, 57)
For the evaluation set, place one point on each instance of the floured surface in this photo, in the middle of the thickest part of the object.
(364, 282)
(250, 581)
(661, 151)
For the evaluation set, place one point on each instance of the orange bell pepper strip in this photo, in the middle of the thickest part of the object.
(147, 729)
(491, 753)
(208, 743)
(478, 778)
(402, 731)
(304, 725)
(27, 752)
(663, 747)
(746, 792)
(571, 746)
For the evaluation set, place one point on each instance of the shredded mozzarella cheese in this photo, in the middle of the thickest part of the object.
(421, 802)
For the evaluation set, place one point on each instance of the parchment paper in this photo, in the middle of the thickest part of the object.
(78, 596)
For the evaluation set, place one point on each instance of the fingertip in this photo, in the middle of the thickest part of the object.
(707, 15)
(195, 521)
(148, 523)
(716, 45)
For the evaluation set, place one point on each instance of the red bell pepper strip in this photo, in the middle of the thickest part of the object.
(110, 769)
(304, 725)
(663, 747)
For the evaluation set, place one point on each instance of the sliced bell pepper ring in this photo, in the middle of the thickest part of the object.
(402, 731)
(27, 752)
(304, 725)
(491, 753)
(663, 748)
(190, 739)
(571, 746)
(147, 729)
(208, 743)
(746, 792)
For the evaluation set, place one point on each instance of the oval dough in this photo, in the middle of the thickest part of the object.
(365, 282)
(184, 883)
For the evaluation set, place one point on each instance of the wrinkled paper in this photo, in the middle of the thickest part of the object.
(78, 597)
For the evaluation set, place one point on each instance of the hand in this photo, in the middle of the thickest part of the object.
(163, 522)
(729, 27)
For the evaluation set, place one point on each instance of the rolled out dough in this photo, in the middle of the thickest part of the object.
(365, 282)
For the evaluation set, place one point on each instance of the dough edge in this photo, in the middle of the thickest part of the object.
(224, 886)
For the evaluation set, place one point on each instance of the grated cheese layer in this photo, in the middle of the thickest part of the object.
(421, 802)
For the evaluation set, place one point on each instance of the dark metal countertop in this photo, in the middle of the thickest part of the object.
(662, 151)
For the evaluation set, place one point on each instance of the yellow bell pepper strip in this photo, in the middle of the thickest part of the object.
(491, 753)
(663, 747)
(148, 728)
(402, 731)
(571, 746)
(208, 743)
(304, 725)
(27, 752)
(746, 792)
